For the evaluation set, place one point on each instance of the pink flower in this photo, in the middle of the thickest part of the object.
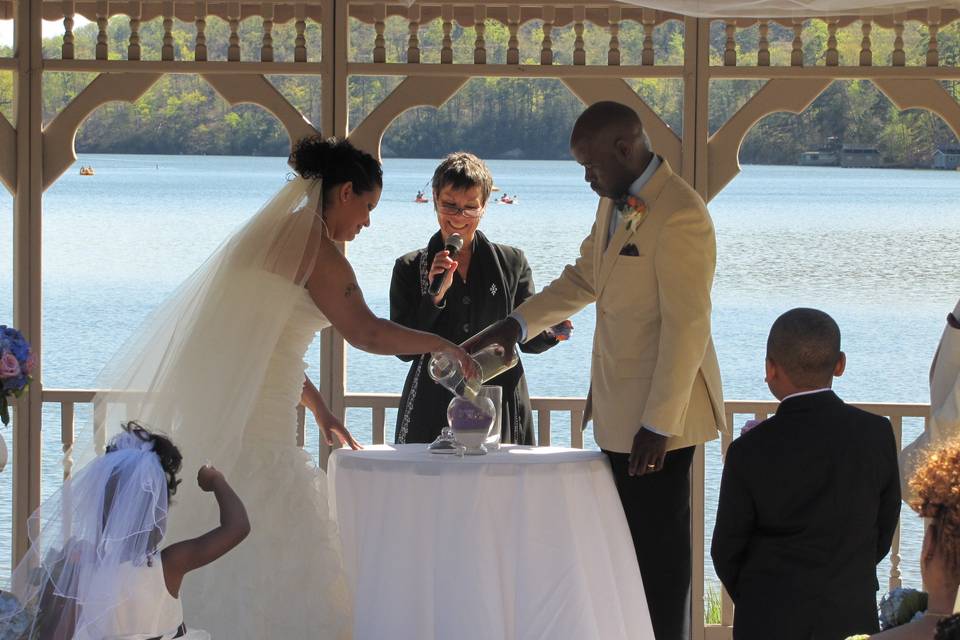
(28, 365)
(9, 367)
(749, 424)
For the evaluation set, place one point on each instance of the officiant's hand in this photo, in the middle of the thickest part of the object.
(442, 263)
(332, 428)
(648, 452)
(506, 333)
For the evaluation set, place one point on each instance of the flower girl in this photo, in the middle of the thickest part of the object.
(95, 569)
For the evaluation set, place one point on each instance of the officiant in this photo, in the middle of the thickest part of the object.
(480, 285)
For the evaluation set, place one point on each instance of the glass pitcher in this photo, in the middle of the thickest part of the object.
(491, 362)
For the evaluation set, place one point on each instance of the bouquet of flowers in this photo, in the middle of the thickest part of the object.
(900, 606)
(15, 621)
(16, 363)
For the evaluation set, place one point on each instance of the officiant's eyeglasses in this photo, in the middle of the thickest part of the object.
(450, 209)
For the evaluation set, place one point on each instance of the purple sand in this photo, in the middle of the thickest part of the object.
(466, 416)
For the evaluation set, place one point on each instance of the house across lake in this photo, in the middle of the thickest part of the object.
(835, 154)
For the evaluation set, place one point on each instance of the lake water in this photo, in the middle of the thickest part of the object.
(877, 249)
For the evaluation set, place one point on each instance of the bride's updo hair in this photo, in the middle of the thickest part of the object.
(335, 162)
(937, 486)
(171, 459)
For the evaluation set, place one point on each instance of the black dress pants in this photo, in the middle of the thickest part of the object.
(657, 507)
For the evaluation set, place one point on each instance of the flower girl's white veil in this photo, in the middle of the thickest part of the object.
(109, 515)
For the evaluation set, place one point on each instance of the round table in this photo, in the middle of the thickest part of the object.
(522, 543)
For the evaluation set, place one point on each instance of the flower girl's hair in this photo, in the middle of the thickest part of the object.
(935, 483)
(170, 457)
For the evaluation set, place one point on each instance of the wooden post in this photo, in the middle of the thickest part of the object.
(66, 49)
(613, 52)
(546, 47)
(27, 281)
(513, 26)
(300, 25)
(579, 53)
(763, 47)
(233, 17)
(133, 47)
(480, 28)
(413, 28)
(103, 44)
(694, 171)
(166, 52)
(333, 355)
(266, 47)
(379, 24)
(200, 20)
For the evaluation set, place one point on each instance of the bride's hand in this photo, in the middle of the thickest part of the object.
(330, 426)
(458, 353)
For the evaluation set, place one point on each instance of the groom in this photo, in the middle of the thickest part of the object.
(655, 388)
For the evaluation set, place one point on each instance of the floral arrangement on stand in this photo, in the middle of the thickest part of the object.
(900, 606)
(17, 621)
(16, 365)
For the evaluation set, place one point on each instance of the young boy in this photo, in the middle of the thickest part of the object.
(809, 499)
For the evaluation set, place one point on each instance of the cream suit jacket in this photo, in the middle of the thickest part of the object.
(653, 359)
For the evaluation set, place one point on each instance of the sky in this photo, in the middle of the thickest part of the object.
(50, 29)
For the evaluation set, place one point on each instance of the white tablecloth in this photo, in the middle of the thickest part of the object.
(525, 543)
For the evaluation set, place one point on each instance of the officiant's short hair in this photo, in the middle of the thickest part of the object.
(463, 170)
(806, 344)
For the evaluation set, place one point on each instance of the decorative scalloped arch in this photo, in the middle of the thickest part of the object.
(923, 94)
(723, 148)
(8, 154)
(253, 89)
(409, 94)
(60, 135)
(662, 137)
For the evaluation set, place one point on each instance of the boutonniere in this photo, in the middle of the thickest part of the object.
(633, 211)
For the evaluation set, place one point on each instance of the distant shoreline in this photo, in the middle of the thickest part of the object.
(498, 159)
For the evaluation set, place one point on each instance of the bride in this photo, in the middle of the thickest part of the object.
(220, 367)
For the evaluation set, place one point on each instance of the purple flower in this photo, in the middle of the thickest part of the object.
(9, 366)
(748, 425)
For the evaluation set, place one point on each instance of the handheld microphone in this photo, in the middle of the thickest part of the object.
(454, 244)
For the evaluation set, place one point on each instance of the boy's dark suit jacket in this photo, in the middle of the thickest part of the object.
(808, 506)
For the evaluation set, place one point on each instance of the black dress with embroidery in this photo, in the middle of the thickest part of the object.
(498, 280)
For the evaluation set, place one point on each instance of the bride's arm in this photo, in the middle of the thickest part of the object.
(333, 287)
(329, 424)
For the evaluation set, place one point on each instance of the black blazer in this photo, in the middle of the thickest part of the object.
(808, 506)
(499, 280)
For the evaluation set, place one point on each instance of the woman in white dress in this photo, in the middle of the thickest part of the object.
(221, 362)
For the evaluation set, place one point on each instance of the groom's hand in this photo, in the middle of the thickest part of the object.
(506, 333)
(648, 452)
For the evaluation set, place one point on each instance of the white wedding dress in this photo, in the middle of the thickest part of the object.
(285, 580)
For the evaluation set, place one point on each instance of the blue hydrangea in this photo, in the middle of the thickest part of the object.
(13, 341)
(13, 385)
(900, 606)
(16, 620)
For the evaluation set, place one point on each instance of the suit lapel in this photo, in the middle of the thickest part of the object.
(612, 253)
(649, 194)
(604, 218)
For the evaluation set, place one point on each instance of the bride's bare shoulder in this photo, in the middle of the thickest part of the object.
(328, 263)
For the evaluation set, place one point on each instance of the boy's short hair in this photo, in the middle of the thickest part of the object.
(805, 343)
(462, 170)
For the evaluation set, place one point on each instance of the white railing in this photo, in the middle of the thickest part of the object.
(543, 408)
